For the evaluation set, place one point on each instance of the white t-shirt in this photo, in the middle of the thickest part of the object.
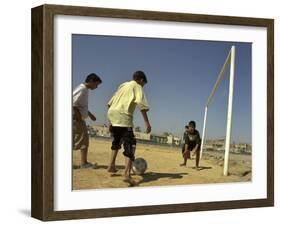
(80, 99)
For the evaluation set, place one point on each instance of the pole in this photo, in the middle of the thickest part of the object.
(203, 133)
(229, 112)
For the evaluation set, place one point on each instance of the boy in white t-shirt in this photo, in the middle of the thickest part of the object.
(121, 108)
(80, 112)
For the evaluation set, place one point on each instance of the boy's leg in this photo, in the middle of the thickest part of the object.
(84, 146)
(111, 167)
(84, 160)
(127, 172)
(84, 155)
(182, 152)
(117, 133)
(128, 167)
(129, 153)
(81, 141)
(197, 157)
(185, 155)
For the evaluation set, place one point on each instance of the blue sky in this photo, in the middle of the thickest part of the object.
(181, 75)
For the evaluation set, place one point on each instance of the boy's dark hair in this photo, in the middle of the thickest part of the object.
(93, 78)
(139, 75)
(192, 124)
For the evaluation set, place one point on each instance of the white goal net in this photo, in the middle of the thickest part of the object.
(229, 61)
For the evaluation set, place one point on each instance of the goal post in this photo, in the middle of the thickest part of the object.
(230, 60)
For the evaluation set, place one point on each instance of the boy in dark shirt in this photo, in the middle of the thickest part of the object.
(192, 143)
(184, 138)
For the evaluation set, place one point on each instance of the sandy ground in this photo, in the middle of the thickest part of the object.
(163, 168)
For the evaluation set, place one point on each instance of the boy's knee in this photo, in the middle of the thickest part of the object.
(116, 143)
(115, 147)
(130, 147)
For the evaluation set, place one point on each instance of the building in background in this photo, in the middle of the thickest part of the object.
(242, 148)
(142, 136)
(165, 139)
(219, 145)
(215, 145)
(161, 139)
(101, 131)
(173, 140)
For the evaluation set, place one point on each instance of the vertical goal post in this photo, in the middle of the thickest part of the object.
(230, 60)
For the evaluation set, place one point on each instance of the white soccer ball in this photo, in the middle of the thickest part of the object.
(139, 166)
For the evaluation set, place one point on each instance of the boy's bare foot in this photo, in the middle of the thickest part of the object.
(182, 164)
(196, 168)
(130, 181)
(112, 170)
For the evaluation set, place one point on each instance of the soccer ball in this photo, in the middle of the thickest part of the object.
(139, 166)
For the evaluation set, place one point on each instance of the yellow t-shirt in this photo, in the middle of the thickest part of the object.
(123, 103)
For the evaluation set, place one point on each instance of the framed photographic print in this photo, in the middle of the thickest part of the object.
(142, 112)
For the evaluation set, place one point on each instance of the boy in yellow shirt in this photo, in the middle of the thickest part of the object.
(121, 108)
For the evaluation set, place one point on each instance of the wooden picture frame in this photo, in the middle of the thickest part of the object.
(42, 203)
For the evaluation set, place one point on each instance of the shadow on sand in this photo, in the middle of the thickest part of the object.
(202, 168)
(98, 167)
(105, 167)
(152, 176)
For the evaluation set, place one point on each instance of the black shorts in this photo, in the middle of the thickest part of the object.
(125, 136)
(190, 148)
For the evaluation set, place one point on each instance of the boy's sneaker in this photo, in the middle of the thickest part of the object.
(89, 165)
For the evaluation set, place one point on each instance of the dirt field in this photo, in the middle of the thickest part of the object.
(163, 168)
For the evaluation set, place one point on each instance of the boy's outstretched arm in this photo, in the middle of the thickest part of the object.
(146, 121)
(92, 116)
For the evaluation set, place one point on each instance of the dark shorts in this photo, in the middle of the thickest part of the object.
(125, 136)
(190, 148)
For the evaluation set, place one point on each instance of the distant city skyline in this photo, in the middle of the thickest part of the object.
(181, 75)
